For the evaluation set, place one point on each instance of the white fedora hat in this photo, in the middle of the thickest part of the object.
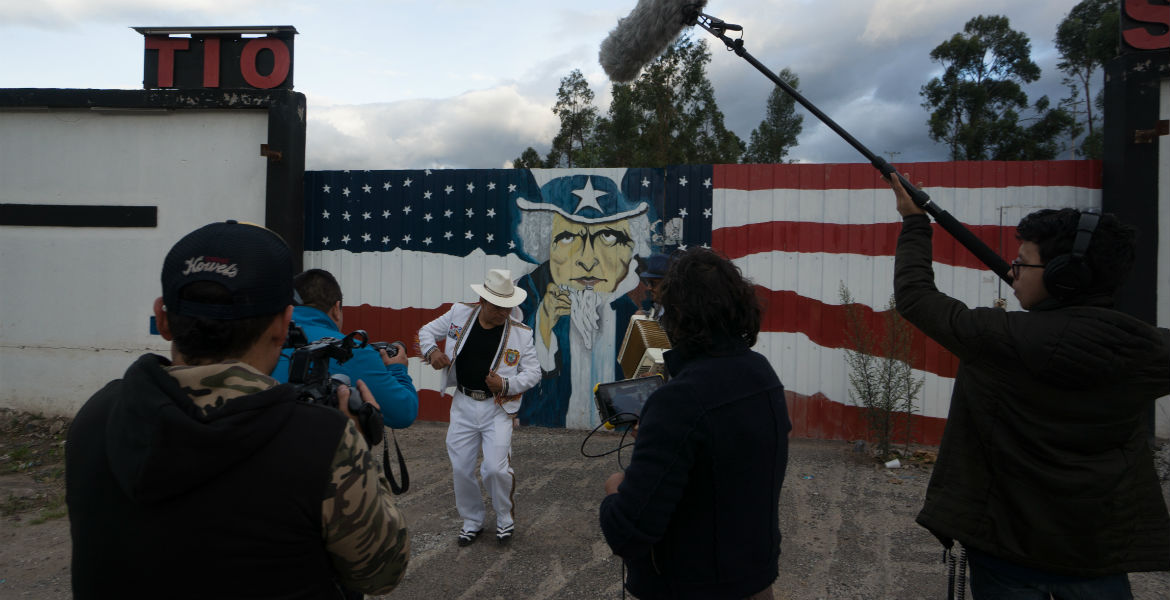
(499, 289)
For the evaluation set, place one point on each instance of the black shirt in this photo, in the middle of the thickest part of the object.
(476, 356)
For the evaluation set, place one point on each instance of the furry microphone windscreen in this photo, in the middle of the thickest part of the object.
(644, 34)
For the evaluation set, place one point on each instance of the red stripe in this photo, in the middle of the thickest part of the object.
(825, 324)
(813, 417)
(878, 239)
(434, 406)
(784, 312)
(817, 417)
(392, 325)
(862, 176)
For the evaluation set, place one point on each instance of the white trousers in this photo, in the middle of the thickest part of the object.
(481, 425)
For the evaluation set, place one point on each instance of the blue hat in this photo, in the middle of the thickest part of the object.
(584, 198)
(656, 266)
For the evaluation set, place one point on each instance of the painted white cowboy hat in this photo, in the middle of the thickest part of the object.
(499, 289)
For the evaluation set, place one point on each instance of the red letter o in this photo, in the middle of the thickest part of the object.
(280, 65)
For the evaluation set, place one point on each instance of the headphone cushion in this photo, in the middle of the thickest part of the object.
(1067, 274)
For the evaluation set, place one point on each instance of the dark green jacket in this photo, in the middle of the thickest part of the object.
(1044, 461)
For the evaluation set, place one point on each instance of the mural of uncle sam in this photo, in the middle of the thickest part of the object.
(585, 230)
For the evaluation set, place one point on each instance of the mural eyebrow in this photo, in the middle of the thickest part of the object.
(621, 236)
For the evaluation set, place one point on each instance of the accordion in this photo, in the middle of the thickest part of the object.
(642, 348)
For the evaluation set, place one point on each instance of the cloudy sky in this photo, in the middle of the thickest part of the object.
(397, 84)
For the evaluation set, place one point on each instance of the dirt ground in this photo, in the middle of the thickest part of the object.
(848, 522)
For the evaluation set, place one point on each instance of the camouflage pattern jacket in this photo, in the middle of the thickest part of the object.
(212, 480)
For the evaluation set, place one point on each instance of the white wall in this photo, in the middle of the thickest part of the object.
(75, 302)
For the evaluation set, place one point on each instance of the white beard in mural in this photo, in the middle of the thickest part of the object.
(585, 310)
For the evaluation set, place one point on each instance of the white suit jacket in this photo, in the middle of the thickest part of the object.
(515, 359)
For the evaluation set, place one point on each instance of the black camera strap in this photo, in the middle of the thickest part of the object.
(394, 487)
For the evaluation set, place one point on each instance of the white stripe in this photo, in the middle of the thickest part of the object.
(972, 206)
(408, 278)
(807, 369)
(803, 366)
(869, 279)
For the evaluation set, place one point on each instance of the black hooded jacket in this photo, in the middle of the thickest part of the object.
(1044, 461)
(165, 501)
(697, 515)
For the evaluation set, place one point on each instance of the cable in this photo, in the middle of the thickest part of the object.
(621, 443)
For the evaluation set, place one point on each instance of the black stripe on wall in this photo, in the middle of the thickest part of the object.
(70, 215)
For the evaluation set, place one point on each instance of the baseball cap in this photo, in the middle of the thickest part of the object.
(656, 266)
(253, 263)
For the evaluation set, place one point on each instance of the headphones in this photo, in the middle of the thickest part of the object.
(1069, 274)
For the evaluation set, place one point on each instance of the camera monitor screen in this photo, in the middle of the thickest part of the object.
(621, 402)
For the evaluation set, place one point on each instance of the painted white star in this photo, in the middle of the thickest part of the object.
(325, 189)
(427, 217)
(448, 189)
(345, 191)
(470, 212)
(428, 171)
(406, 209)
(511, 187)
(345, 239)
(682, 212)
(366, 237)
(468, 235)
(385, 214)
(325, 241)
(490, 238)
(366, 188)
(385, 239)
(407, 182)
(447, 235)
(427, 241)
(427, 195)
(324, 214)
(385, 185)
(511, 245)
(366, 215)
(707, 182)
(345, 215)
(447, 213)
(682, 247)
(588, 197)
(645, 182)
(682, 181)
(470, 188)
(491, 213)
(707, 246)
(406, 239)
(491, 185)
(707, 213)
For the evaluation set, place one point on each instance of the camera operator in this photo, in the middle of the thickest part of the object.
(204, 478)
(695, 514)
(319, 315)
(1045, 473)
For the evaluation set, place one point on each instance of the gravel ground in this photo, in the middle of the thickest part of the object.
(848, 527)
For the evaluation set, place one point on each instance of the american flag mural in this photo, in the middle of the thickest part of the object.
(405, 244)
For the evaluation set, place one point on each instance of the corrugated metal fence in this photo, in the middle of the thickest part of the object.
(406, 244)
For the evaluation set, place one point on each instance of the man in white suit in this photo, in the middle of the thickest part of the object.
(489, 359)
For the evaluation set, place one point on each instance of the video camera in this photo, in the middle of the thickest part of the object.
(309, 370)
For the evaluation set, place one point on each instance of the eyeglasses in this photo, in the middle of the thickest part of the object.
(1016, 264)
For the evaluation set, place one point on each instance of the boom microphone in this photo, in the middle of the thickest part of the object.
(644, 34)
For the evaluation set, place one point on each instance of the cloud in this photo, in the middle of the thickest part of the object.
(480, 129)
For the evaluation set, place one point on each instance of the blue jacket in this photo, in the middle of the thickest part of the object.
(390, 385)
(697, 516)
